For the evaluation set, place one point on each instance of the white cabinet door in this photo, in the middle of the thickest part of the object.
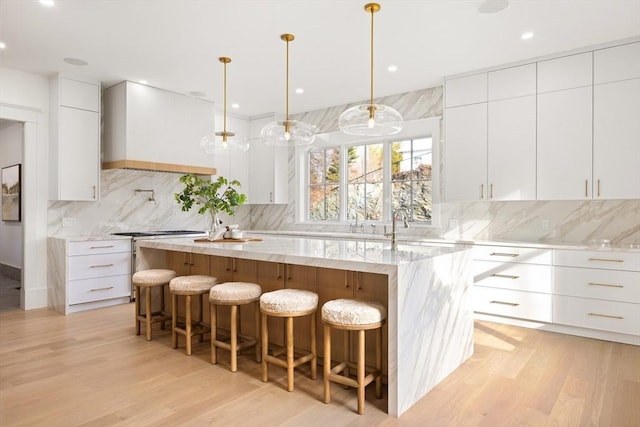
(78, 154)
(465, 153)
(512, 82)
(512, 149)
(466, 90)
(566, 72)
(564, 145)
(77, 94)
(268, 168)
(617, 63)
(616, 148)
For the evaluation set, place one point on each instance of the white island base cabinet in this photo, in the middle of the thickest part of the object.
(83, 275)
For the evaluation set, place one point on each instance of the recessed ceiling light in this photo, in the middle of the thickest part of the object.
(527, 35)
(47, 3)
(235, 105)
(75, 61)
(299, 91)
(143, 82)
(2, 45)
(493, 6)
(392, 68)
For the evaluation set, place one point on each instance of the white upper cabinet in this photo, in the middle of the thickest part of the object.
(465, 153)
(268, 168)
(564, 145)
(512, 82)
(616, 63)
(74, 131)
(150, 128)
(616, 143)
(466, 90)
(567, 72)
(512, 149)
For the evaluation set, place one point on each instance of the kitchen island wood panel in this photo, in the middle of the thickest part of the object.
(429, 319)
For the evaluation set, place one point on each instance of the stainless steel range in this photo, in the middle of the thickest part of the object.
(136, 235)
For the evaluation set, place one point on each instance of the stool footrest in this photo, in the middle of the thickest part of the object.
(197, 328)
(244, 341)
(335, 376)
(283, 363)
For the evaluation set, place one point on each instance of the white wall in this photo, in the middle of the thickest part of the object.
(24, 97)
(10, 231)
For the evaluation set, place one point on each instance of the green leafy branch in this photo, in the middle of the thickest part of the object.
(219, 195)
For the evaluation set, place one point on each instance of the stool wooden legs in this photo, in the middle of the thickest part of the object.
(235, 344)
(149, 316)
(213, 311)
(291, 362)
(174, 320)
(362, 379)
(190, 329)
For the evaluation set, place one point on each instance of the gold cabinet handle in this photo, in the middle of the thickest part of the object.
(481, 191)
(598, 187)
(586, 188)
(503, 254)
(94, 191)
(101, 247)
(491, 191)
(288, 270)
(606, 315)
(606, 260)
(185, 259)
(228, 264)
(512, 304)
(101, 265)
(278, 275)
(605, 284)
(102, 289)
(233, 265)
(191, 259)
(505, 276)
(346, 279)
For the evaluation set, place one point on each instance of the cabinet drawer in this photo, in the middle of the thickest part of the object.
(597, 314)
(521, 304)
(86, 290)
(99, 247)
(84, 267)
(629, 261)
(77, 94)
(519, 277)
(512, 254)
(597, 283)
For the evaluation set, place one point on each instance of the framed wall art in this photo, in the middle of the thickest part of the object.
(11, 189)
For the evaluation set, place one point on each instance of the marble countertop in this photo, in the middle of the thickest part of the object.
(330, 253)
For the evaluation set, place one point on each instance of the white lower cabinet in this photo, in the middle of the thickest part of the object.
(89, 274)
(582, 292)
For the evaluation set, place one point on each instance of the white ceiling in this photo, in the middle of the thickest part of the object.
(174, 44)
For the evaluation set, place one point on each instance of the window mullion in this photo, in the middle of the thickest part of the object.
(386, 181)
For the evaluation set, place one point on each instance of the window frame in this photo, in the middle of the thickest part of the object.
(422, 128)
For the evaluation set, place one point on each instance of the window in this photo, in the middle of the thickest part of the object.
(348, 180)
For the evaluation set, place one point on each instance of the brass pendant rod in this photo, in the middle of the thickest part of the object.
(225, 61)
(287, 84)
(372, 12)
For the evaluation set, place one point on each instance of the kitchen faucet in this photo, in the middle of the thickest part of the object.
(393, 235)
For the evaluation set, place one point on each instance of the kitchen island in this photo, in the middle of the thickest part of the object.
(430, 316)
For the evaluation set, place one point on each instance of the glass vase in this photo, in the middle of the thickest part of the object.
(214, 225)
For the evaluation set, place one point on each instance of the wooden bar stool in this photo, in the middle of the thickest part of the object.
(360, 316)
(149, 279)
(189, 286)
(234, 294)
(288, 303)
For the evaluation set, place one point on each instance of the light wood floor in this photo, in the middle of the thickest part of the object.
(91, 369)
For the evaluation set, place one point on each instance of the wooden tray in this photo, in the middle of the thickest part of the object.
(244, 240)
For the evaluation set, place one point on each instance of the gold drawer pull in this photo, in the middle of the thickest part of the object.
(606, 315)
(101, 247)
(503, 254)
(505, 276)
(512, 304)
(101, 265)
(606, 260)
(605, 284)
(102, 289)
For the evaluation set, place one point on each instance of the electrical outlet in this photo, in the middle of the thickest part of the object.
(545, 225)
(68, 222)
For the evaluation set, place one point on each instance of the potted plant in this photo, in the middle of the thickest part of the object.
(213, 197)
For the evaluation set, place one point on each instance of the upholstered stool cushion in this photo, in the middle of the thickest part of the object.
(353, 312)
(288, 301)
(230, 292)
(153, 277)
(196, 284)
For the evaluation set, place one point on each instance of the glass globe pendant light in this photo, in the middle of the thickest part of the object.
(370, 119)
(287, 133)
(225, 140)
